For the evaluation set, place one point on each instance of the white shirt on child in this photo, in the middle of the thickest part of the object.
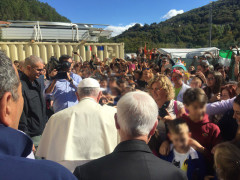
(180, 160)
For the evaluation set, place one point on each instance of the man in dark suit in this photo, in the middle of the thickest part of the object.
(136, 121)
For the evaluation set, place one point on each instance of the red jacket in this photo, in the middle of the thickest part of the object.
(205, 132)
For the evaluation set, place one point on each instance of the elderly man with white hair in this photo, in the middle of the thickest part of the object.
(81, 133)
(136, 121)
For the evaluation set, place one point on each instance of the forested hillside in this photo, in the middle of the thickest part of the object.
(31, 10)
(188, 30)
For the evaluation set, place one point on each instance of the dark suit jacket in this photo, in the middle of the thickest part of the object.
(131, 160)
(15, 147)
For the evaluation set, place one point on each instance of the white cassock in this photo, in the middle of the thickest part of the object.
(79, 134)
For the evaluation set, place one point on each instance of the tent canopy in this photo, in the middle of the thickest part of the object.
(188, 53)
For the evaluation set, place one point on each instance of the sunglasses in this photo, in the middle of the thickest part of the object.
(39, 70)
(146, 69)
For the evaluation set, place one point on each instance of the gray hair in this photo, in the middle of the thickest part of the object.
(9, 81)
(137, 113)
(88, 91)
(32, 60)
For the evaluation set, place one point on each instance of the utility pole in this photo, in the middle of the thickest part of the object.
(210, 25)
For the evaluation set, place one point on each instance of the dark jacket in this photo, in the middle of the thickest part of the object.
(196, 167)
(34, 118)
(131, 160)
(15, 147)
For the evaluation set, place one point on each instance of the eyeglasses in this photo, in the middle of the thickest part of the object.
(156, 89)
(146, 69)
(210, 79)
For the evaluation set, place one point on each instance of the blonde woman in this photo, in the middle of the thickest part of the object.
(162, 91)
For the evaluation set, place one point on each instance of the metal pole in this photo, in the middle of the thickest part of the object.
(210, 25)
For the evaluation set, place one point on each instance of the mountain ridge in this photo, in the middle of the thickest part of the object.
(29, 10)
(188, 30)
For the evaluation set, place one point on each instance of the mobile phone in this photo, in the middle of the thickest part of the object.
(162, 113)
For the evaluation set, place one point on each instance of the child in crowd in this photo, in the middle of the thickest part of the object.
(196, 82)
(227, 161)
(204, 133)
(182, 154)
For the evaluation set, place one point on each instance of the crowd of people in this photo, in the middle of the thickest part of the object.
(148, 117)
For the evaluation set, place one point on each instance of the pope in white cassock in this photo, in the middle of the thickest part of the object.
(81, 133)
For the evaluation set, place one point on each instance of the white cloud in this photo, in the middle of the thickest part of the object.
(172, 13)
(119, 29)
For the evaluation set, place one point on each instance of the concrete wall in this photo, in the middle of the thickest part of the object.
(21, 50)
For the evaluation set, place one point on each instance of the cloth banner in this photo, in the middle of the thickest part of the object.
(225, 57)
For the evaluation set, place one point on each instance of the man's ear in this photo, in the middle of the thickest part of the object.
(152, 132)
(5, 109)
(99, 96)
(116, 122)
(28, 67)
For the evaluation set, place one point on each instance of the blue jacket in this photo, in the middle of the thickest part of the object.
(196, 166)
(14, 148)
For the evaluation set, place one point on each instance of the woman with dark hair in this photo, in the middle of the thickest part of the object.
(214, 84)
(228, 124)
(146, 76)
(204, 68)
(228, 92)
(220, 68)
(137, 75)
